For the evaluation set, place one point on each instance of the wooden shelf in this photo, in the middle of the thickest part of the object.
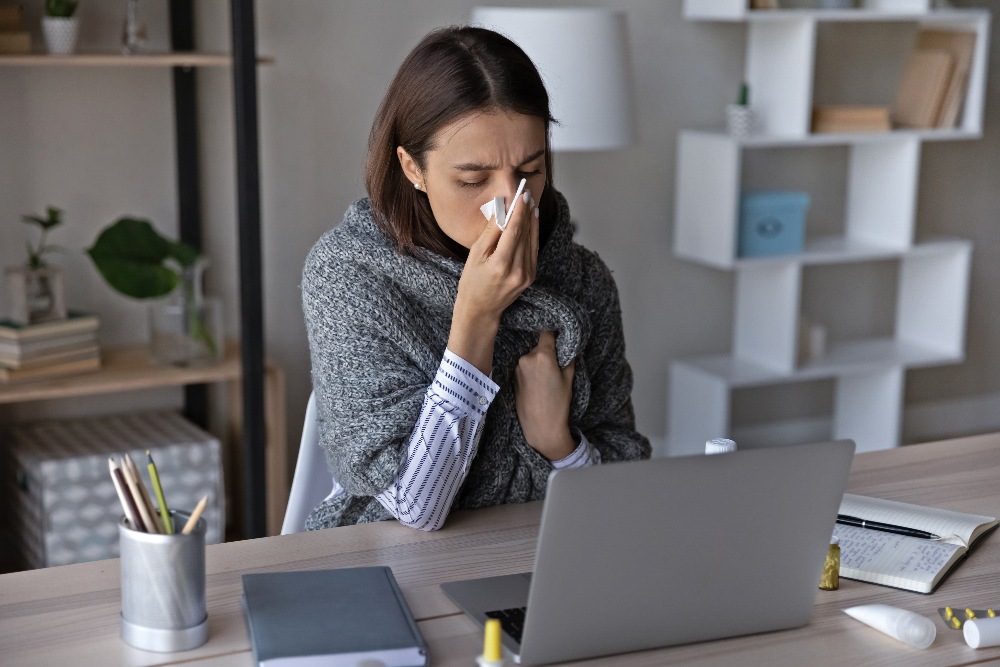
(126, 368)
(111, 59)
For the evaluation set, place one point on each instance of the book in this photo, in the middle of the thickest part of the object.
(31, 349)
(961, 45)
(330, 617)
(900, 561)
(13, 43)
(13, 375)
(922, 90)
(75, 322)
(850, 119)
(59, 356)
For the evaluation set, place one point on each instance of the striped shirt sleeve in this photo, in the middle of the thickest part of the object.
(442, 445)
(584, 455)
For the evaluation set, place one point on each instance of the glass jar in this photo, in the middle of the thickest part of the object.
(186, 327)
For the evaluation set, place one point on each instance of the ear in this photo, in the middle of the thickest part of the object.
(409, 166)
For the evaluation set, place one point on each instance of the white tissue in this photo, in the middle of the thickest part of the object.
(493, 205)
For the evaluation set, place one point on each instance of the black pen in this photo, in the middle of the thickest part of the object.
(886, 527)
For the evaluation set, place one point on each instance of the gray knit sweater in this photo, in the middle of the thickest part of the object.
(378, 325)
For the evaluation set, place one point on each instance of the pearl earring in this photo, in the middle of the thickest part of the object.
(416, 185)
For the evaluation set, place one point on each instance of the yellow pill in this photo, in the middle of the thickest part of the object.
(991, 613)
(948, 613)
(970, 614)
(955, 623)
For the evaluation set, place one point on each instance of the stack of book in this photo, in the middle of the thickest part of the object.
(48, 349)
(935, 80)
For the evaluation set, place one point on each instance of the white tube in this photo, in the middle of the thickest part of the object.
(982, 632)
(906, 626)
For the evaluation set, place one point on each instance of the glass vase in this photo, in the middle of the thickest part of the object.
(133, 30)
(186, 327)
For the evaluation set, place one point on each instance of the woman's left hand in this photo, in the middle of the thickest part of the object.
(542, 395)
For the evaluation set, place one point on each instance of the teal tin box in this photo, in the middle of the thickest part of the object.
(772, 223)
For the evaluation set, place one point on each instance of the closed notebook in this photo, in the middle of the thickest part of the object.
(330, 618)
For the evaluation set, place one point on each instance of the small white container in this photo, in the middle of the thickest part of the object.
(741, 121)
(60, 34)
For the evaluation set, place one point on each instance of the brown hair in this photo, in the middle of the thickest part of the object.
(452, 72)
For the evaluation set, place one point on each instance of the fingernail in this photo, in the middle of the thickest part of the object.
(536, 214)
(526, 198)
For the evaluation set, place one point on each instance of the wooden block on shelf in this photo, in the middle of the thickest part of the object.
(849, 119)
(961, 44)
(11, 18)
(15, 43)
(922, 90)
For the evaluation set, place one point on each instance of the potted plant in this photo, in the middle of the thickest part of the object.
(135, 260)
(36, 289)
(60, 26)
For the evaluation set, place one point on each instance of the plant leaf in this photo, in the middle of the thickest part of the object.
(130, 255)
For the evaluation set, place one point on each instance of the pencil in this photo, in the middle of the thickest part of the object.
(195, 515)
(154, 476)
(131, 511)
(134, 469)
(134, 483)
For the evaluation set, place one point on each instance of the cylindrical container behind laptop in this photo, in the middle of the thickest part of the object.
(720, 446)
(163, 587)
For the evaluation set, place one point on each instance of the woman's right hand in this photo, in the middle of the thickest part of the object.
(501, 265)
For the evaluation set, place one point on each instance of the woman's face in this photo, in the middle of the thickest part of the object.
(474, 159)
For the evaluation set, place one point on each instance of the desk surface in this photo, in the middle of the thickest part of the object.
(70, 615)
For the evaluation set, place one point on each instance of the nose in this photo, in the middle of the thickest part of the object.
(510, 186)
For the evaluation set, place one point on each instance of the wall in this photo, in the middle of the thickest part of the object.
(99, 144)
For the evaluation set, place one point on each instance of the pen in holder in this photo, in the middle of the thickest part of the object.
(163, 587)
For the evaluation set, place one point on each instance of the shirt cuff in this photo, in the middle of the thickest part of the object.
(463, 385)
(584, 455)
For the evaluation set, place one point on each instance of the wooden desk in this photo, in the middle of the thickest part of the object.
(70, 615)
(128, 368)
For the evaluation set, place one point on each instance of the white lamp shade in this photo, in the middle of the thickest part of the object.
(582, 55)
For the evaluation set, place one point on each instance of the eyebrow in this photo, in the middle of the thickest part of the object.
(473, 166)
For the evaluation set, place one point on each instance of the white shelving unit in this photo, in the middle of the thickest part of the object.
(879, 218)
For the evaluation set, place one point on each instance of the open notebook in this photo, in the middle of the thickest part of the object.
(899, 561)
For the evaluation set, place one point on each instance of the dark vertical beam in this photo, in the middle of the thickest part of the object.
(251, 274)
(188, 179)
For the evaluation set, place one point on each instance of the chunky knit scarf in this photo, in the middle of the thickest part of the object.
(378, 324)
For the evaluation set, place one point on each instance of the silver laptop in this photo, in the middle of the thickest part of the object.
(654, 553)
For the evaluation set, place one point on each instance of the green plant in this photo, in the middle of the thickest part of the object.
(138, 262)
(60, 8)
(52, 219)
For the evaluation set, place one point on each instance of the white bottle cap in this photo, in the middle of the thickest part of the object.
(982, 632)
(720, 446)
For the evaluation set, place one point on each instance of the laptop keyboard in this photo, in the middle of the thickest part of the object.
(511, 621)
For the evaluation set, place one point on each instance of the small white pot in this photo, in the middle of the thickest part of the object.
(60, 34)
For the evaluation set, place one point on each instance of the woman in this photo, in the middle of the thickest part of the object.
(456, 364)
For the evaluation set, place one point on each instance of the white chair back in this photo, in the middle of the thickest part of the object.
(312, 481)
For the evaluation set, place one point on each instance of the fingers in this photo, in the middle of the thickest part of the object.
(547, 339)
(570, 371)
(485, 245)
(514, 234)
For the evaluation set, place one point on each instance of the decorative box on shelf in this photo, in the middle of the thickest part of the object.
(65, 509)
(772, 223)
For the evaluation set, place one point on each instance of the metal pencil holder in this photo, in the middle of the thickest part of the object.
(163, 587)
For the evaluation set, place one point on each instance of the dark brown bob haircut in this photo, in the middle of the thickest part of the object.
(451, 73)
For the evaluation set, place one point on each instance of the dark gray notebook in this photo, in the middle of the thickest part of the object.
(330, 617)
